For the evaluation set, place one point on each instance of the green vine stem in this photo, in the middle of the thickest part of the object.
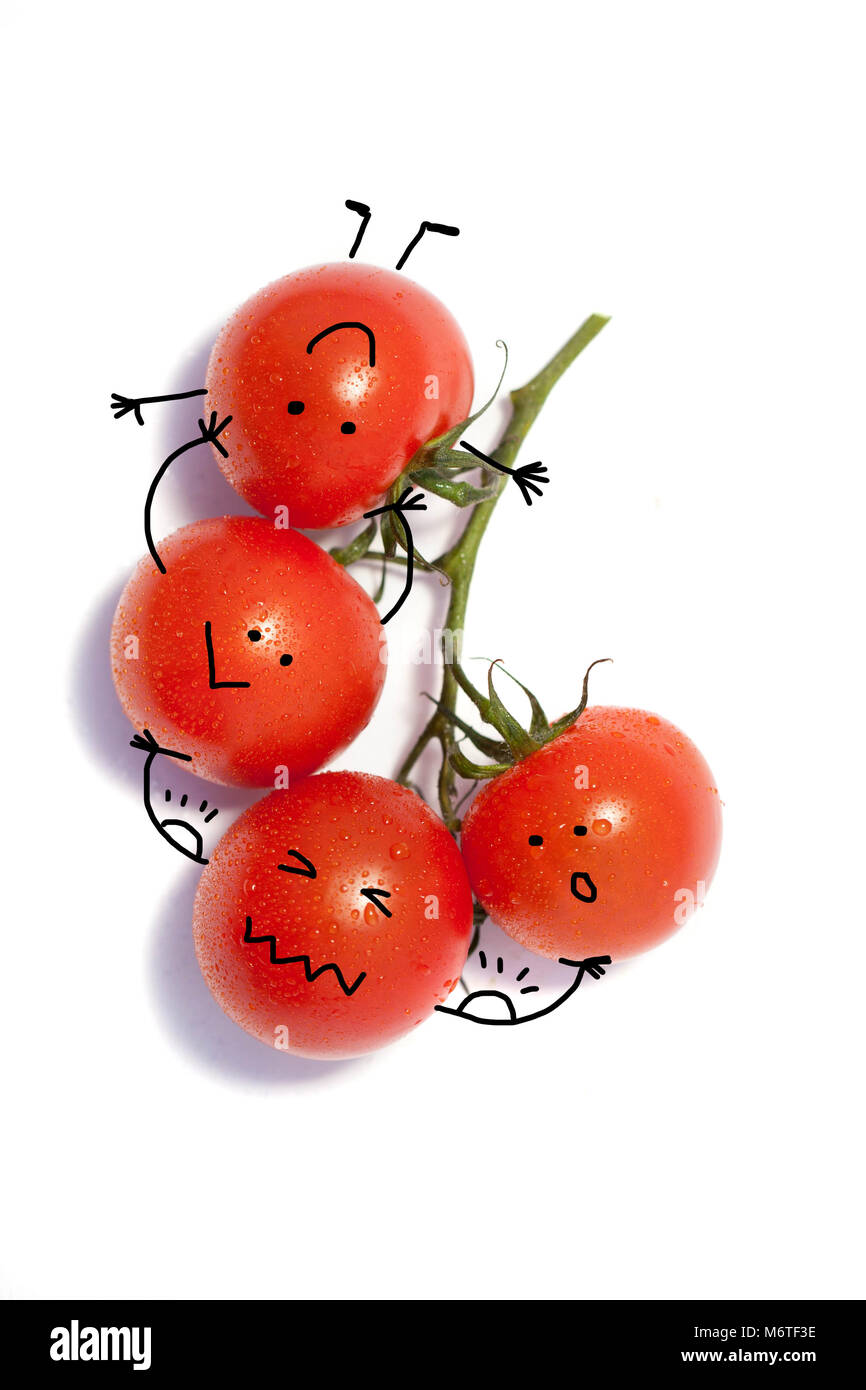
(458, 563)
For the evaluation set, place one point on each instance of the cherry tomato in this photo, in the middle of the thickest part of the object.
(601, 843)
(333, 917)
(254, 653)
(324, 421)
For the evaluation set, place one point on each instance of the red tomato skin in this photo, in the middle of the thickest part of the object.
(357, 830)
(260, 363)
(242, 574)
(649, 784)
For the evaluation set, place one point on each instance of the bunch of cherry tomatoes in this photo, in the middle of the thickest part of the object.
(337, 912)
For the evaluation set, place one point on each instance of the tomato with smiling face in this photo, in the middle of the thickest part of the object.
(254, 652)
(601, 842)
(333, 917)
(334, 376)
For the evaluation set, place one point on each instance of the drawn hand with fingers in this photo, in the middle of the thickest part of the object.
(170, 827)
(529, 477)
(208, 434)
(122, 405)
(408, 501)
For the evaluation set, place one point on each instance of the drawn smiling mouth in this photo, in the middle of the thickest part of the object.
(310, 974)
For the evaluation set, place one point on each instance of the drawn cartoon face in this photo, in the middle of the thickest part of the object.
(338, 912)
(587, 846)
(504, 984)
(334, 376)
(552, 873)
(580, 883)
(536, 849)
(253, 652)
(306, 869)
(351, 392)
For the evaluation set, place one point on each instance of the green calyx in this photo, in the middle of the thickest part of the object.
(437, 465)
(515, 742)
(436, 468)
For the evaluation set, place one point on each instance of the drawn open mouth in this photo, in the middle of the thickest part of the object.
(583, 888)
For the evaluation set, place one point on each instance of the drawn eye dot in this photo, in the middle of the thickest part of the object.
(347, 427)
(286, 659)
(254, 635)
(580, 830)
(536, 840)
(296, 407)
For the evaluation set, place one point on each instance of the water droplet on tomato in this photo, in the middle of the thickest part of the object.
(602, 827)
(400, 850)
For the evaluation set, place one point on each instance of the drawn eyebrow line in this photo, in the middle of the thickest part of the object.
(311, 974)
(333, 329)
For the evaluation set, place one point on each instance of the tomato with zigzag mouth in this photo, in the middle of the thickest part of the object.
(333, 917)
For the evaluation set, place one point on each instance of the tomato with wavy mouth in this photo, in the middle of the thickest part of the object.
(333, 917)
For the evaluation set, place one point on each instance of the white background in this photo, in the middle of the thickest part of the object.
(691, 1125)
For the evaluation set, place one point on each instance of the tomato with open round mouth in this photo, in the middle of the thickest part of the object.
(334, 916)
(333, 377)
(600, 843)
(255, 653)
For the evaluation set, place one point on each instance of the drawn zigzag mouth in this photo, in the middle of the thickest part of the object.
(310, 974)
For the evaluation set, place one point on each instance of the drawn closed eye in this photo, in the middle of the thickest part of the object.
(373, 895)
(309, 869)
